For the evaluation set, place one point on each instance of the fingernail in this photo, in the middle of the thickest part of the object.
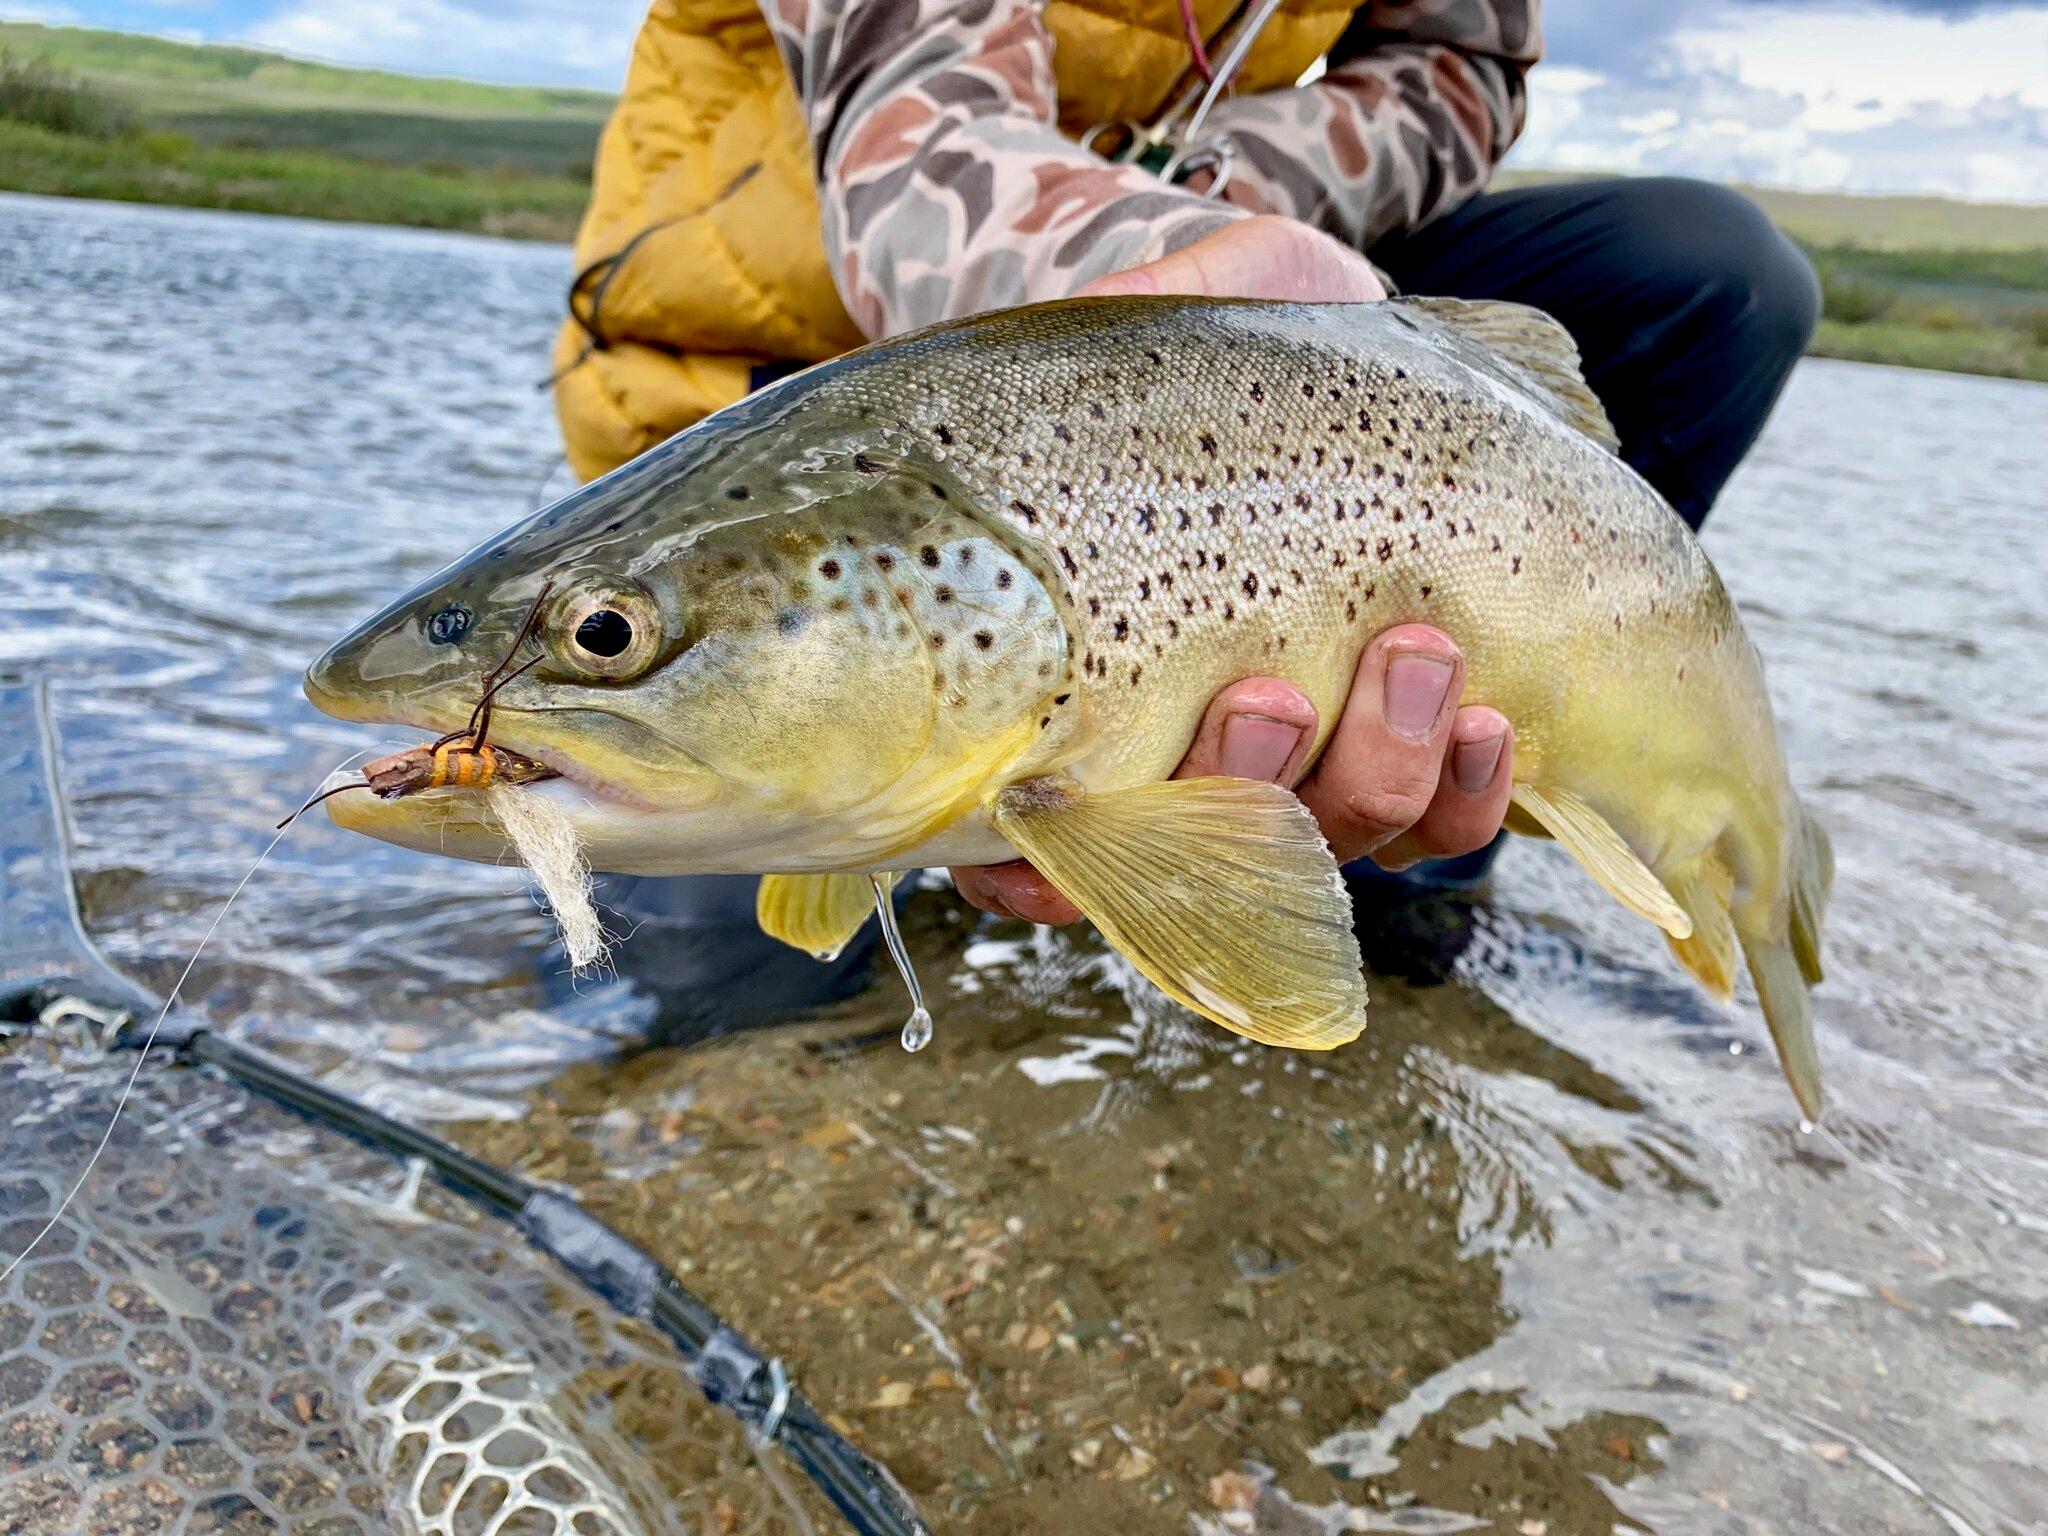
(1416, 684)
(1257, 746)
(1473, 763)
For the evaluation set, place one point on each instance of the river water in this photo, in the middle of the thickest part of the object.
(1546, 1252)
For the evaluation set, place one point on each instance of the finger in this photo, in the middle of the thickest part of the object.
(1260, 728)
(1471, 795)
(1380, 772)
(1258, 258)
(1015, 889)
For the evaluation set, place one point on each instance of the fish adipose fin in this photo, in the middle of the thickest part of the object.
(1221, 892)
(1542, 356)
(1596, 845)
(815, 913)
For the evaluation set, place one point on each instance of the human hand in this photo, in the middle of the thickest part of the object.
(1264, 257)
(1407, 774)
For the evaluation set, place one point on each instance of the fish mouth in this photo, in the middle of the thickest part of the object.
(517, 757)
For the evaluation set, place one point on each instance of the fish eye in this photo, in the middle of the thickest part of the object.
(607, 633)
(449, 625)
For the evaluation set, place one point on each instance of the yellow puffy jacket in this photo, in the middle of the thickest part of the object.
(701, 254)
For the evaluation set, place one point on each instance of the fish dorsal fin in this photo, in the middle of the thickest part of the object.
(1221, 892)
(815, 913)
(1590, 839)
(1540, 354)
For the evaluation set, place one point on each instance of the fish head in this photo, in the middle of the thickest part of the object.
(734, 651)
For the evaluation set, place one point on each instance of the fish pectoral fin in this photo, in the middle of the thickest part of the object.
(1781, 988)
(1593, 841)
(815, 913)
(1540, 354)
(1221, 892)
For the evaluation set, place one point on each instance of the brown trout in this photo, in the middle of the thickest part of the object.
(964, 595)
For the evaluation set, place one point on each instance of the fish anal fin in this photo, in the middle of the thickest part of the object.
(1593, 841)
(814, 913)
(1220, 891)
(1703, 889)
(1781, 988)
(1539, 352)
(1813, 877)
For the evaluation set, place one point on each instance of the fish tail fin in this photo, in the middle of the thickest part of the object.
(1785, 961)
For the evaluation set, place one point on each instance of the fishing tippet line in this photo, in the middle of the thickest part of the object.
(170, 1002)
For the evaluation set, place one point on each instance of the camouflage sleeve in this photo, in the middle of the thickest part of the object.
(1420, 101)
(945, 184)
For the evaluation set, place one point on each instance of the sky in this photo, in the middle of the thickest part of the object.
(1865, 95)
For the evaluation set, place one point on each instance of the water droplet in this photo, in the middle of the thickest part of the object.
(917, 1029)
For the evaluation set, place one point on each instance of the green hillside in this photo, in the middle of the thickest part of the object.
(246, 99)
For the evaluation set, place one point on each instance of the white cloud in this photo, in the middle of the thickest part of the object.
(1838, 96)
(558, 41)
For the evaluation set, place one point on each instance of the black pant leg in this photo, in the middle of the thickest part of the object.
(1688, 305)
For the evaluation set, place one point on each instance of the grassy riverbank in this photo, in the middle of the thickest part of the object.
(1920, 281)
(141, 119)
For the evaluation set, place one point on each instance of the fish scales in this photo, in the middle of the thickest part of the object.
(1263, 489)
(966, 595)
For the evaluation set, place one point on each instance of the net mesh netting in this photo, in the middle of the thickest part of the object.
(247, 1324)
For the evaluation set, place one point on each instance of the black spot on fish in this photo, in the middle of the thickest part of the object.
(829, 569)
(1122, 628)
(943, 593)
(929, 556)
(1208, 442)
(983, 639)
(943, 433)
(737, 493)
(1003, 580)
(866, 465)
(885, 561)
(1251, 583)
(1026, 511)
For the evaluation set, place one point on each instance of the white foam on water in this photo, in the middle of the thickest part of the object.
(548, 846)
